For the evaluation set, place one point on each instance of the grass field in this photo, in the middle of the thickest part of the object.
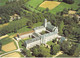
(65, 5)
(9, 47)
(25, 29)
(2, 2)
(14, 54)
(49, 4)
(34, 3)
(6, 40)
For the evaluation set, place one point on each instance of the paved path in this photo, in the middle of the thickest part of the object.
(3, 36)
(8, 53)
(59, 53)
(16, 43)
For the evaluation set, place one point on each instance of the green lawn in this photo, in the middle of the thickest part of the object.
(37, 24)
(2, 2)
(6, 40)
(25, 29)
(22, 42)
(34, 3)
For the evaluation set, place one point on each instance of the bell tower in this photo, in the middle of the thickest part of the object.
(45, 23)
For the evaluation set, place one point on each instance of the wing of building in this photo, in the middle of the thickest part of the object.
(50, 33)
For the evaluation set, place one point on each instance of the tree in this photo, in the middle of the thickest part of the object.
(35, 51)
(72, 50)
(65, 46)
(61, 28)
(54, 49)
(0, 46)
(28, 53)
(30, 24)
(69, 1)
(40, 51)
(77, 51)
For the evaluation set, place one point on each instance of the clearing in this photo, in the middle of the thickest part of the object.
(49, 4)
(9, 47)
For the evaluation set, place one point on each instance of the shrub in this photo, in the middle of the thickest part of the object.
(69, 1)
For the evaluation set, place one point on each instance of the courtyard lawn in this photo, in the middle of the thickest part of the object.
(14, 54)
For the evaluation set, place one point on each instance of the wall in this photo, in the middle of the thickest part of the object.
(25, 35)
(30, 45)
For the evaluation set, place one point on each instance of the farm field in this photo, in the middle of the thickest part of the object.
(11, 46)
(14, 54)
(49, 4)
(7, 42)
(65, 5)
(54, 8)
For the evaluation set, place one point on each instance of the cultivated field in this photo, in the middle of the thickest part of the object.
(49, 4)
(9, 47)
(15, 54)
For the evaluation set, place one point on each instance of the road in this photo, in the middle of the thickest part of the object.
(59, 53)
